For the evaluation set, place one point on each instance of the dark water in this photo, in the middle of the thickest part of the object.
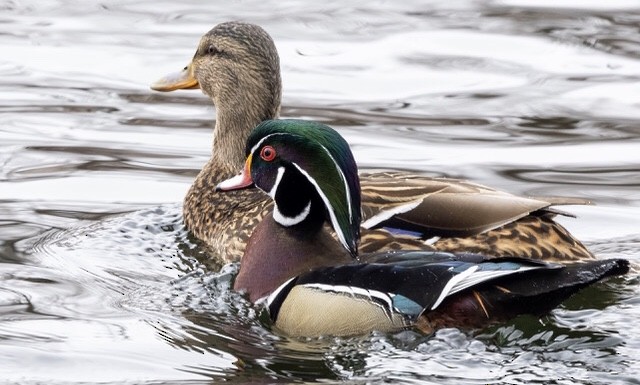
(99, 282)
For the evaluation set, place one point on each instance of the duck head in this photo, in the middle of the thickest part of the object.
(308, 170)
(230, 56)
(237, 65)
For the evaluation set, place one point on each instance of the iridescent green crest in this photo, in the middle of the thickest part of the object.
(323, 156)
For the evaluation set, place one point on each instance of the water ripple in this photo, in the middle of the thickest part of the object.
(533, 97)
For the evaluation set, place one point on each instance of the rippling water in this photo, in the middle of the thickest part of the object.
(99, 282)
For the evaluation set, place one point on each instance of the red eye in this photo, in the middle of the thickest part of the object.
(268, 153)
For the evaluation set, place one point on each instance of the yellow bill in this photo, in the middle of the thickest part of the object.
(181, 80)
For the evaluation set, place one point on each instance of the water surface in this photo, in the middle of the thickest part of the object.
(99, 281)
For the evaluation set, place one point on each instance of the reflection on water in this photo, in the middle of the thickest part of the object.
(99, 281)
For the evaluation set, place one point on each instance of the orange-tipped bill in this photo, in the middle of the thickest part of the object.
(177, 81)
(240, 181)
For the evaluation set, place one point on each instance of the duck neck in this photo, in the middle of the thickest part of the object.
(237, 113)
(276, 253)
(204, 208)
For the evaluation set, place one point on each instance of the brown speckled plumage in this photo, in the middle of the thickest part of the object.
(237, 66)
(223, 220)
(533, 236)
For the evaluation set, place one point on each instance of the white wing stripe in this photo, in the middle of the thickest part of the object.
(452, 283)
(354, 291)
(482, 276)
(386, 214)
(471, 277)
(269, 299)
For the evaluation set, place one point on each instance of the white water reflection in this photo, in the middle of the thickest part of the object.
(533, 97)
(613, 5)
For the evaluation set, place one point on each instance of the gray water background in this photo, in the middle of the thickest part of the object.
(99, 282)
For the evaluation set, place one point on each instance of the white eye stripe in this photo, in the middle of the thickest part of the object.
(332, 214)
(257, 145)
(344, 182)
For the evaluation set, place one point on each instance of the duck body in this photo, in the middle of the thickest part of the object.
(314, 284)
(426, 290)
(237, 65)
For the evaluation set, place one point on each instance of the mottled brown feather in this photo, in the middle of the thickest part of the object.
(533, 236)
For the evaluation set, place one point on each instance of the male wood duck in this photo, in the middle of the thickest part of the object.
(313, 284)
(236, 64)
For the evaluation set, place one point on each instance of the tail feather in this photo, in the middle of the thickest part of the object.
(535, 292)
(568, 280)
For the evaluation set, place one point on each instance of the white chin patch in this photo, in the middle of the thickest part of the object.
(290, 221)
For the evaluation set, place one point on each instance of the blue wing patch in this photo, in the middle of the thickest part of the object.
(399, 231)
(406, 306)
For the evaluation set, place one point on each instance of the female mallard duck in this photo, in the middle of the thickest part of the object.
(312, 286)
(237, 66)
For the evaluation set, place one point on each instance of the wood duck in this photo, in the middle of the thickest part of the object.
(236, 64)
(313, 284)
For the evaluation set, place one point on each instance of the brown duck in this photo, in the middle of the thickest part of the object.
(237, 65)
